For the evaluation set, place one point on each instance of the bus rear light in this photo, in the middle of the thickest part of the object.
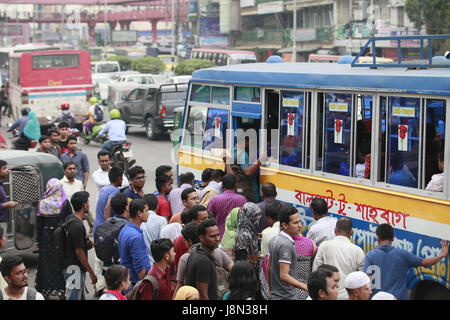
(162, 113)
(24, 97)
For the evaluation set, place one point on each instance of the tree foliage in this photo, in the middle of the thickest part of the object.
(187, 67)
(124, 62)
(148, 65)
(434, 15)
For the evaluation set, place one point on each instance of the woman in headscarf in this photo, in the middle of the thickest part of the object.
(229, 235)
(51, 211)
(246, 241)
(187, 293)
(306, 250)
(31, 131)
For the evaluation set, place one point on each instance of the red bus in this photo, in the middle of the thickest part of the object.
(224, 57)
(41, 80)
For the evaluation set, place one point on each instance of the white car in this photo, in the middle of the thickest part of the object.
(179, 79)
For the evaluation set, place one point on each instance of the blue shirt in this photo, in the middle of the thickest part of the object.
(244, 162)
(394, 264)
(115, 129)
(81, 162)
(130, 193)
(20, 123)
(103, 195)
(4, 212)
(152, 229)
(133, 251)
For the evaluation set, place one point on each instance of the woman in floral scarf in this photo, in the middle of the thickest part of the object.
(246, 241)
(52, 210)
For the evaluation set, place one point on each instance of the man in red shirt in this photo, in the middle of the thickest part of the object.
(164, 254)
(164, 186)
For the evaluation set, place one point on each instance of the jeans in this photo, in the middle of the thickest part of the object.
(110, 144)
(75, 281)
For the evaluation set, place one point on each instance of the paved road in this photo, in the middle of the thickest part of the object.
(148, 154)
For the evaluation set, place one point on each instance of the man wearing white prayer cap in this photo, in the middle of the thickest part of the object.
(358, 286)
(383, 296)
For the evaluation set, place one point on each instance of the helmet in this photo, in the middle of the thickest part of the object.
(65, 106)
(93, 100)
(25, 111)
(114, 114)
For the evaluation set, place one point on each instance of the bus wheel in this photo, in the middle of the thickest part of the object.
(429, 290)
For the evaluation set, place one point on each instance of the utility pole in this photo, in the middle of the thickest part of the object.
(172, 52)
(294, 36)
(105, 40)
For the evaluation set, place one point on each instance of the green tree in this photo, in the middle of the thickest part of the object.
(148, 65)
(434, 15)
(187, 67)
(124, 62)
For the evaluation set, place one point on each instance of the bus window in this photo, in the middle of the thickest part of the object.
(216, 126)
(337, 132)
(434, 140)
(248, 94)
(291, 128)
(221, 95)
(403, 141)
(201, 93)
(55, 61)
(363, 136)
(195, 124)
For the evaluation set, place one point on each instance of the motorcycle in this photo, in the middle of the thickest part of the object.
(94, 136)
(122, 157)
(22, 143)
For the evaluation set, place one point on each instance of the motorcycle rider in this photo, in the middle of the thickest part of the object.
(65, 115)
(19, 124)
(94, 115)
(116, 130)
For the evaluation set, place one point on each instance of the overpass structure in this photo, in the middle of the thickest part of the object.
(155, 11)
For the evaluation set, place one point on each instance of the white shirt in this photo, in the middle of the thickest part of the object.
(101, 179)
(71, 188)
(24, 295)
(344, 255)
(267, 235)
(436, 183)
(322, 229)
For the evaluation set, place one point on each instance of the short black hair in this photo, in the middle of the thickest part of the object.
(318, 281)
(187, 177)
(186, 192)
(229, 181)
(119, 203)
(152, 201)
(51, 131)
(201, 230)
(160, 181)
(43, 137)
(65, 165)
(206, 174)
(134, 171)
(193, 211)
(114, 174)
(327, 267)
(319, 206)
(78, 199)
(135, 206)
(190, 232)
(3, 163)
(71, 137)
(273, 210)
(160, 247)
(115, 275)
(161, 170)
(63, 124)
(185, 217)
(286, 213)
(344, 225)
(269, 190)
(103, 153)
(385, 232)
(217, 174)
(9, 263)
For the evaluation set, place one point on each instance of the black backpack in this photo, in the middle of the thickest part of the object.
(106, 240)
(98, 113)
(60, 240)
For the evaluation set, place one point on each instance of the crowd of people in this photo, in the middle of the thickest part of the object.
(198, 241)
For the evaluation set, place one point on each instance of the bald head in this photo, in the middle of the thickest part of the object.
(269, 190)
(344, 227)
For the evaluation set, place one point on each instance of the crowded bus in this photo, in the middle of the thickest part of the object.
(42, 80)
(224, 57)
(369, 141)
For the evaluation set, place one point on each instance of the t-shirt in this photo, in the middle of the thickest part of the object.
(23, 296)
(103, 195)
(282, 249)
(76, 239)
(201, 267)
(394, 264)
(163, 207)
